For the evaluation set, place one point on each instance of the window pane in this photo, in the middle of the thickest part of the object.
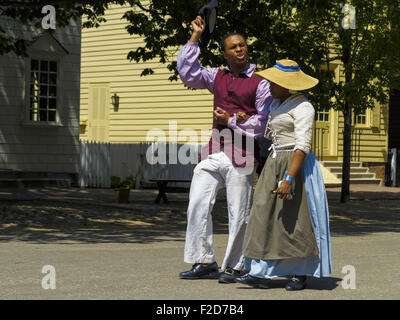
(43, 91)
(52, 91)
(53, 66)
(52, 103)
(53, 78)
(44, 65)
(44, 78)
(43, 103)
(52, 116)
(34, 65)
(42, 115)
(326, 117)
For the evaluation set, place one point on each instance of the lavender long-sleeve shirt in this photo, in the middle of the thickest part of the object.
(195, 76)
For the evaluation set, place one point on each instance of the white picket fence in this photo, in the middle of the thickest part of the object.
(100, 161)
(95, 165)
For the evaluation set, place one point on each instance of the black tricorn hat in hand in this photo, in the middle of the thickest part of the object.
(209, 15)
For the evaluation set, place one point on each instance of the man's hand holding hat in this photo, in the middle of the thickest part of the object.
(198, 26)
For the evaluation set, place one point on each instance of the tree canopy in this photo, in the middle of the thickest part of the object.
(29, 13)
(304, 30)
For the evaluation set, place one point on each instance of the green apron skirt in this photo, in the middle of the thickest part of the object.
(279, 229)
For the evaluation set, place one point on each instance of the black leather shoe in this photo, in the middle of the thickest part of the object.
(296, 283)
(253, 281)
(199, 271)
(229, 275)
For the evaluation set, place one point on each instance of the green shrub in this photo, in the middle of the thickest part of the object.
(128, 183)
(115, 182)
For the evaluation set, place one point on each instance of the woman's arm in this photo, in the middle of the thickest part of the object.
(303, 118)
(295, 165)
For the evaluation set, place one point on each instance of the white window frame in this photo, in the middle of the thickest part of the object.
(367, 123)
(27, 93)
(324, 113)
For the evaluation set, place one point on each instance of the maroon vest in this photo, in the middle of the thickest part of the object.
(234, 95)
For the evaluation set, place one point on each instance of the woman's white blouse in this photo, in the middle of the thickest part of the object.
(291, 122)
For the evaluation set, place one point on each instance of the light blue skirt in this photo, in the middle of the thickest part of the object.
(317, 266)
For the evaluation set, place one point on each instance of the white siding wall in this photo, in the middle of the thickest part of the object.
(38, 148)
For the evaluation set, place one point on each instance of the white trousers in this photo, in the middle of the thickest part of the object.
(208, 177)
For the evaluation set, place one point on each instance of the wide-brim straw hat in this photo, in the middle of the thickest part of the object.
(287, 74)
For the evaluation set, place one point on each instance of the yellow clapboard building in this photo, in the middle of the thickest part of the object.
(151, 103)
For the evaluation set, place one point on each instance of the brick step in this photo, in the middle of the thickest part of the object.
(9, 174)
(352, 170)
(366, 181)
(14, 174)
(339, 164)
(34, 183)
(358, 175)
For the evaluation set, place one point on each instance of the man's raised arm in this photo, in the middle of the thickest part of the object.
(192, 74)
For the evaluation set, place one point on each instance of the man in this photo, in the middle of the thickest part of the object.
(241, 104)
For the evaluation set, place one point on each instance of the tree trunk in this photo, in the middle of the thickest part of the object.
(345, 194)
(347, 113)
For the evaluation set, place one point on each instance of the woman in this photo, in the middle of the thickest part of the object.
(288, 228)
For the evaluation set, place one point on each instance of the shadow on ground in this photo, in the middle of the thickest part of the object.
(49, 221)
(68, 221)
(142, 221)
(358, 217)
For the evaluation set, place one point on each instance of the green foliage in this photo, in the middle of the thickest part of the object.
(128, 183)
(307, 31)
(29, 13)
(115, 182)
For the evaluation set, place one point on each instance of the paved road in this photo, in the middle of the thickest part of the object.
(135, 251)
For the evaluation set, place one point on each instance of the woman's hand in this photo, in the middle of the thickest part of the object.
(295, 165)
(241, 116)
(284, 189)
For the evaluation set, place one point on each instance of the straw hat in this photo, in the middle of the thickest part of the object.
(287, 74)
